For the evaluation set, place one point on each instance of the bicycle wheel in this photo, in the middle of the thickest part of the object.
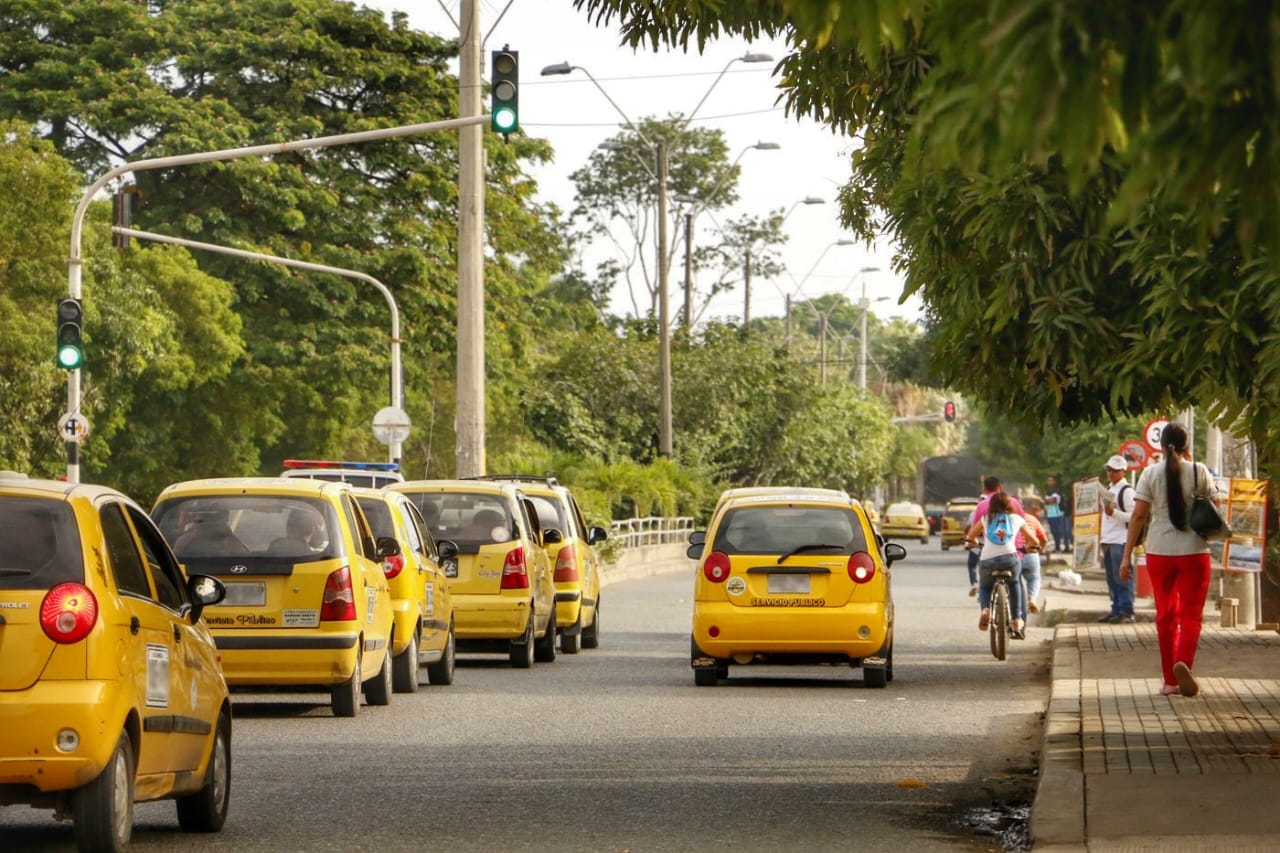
(999, 618)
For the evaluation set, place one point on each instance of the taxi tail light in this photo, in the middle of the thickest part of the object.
(716, 568)
(68, 613)
(393, 565)
(861, 567)
(339, 603)
(515, 574)
(566, 565)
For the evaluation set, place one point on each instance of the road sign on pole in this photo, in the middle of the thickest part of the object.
(1135, 453)
(1152, 433)
(73, 427)
(391, 425)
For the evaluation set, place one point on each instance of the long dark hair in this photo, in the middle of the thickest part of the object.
(1173, 440)
(1000, 502)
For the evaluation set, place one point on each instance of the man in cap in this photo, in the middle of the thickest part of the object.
(1117, 504)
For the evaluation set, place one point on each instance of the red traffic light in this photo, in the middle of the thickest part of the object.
(949, 411)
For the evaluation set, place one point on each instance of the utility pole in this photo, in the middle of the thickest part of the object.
(470, 424)
(664, 310)
(746, 290)
(688, 272)
(822, 352)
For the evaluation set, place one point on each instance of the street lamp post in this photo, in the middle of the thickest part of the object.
(800, 285)
(746, 267)
(862, 335)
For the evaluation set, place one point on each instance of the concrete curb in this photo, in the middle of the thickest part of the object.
(1058, 814)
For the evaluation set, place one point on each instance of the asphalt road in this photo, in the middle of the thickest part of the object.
(615, 749)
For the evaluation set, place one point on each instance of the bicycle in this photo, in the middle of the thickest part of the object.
(1000, 624)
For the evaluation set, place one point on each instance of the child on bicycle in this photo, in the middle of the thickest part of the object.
(998, 531)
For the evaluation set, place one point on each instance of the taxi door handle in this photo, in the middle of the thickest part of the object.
(177, 635)
(134, 625)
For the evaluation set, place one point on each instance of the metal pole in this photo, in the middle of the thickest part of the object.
(664, 330)
(397, 400)
(822, 352)
(862, 337)
(75, 261)
(688, 272)
(469, 450)
(746, 290)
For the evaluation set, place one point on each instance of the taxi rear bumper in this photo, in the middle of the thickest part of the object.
(287, 658)
(30, 721)
(791, 634)
(489, 617)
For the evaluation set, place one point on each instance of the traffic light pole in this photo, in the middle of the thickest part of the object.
(75, 262)
(397, 391)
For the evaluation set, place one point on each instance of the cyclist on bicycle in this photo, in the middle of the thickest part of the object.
(998, 531)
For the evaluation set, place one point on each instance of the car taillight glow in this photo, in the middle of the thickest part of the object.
(393, 565)
(515, 575)
(716, 568)
(861, 567)
(566, 565)
(339, 603)
(68, 613)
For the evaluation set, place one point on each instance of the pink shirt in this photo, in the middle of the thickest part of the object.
(984, 503)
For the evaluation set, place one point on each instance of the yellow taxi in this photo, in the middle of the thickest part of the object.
(500, 578)
(307, 602)
(792, 579)
(420, 598)
(905, 520)
(569, 544)
(110, 689)
(955, 521)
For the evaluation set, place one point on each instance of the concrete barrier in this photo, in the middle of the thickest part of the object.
(646, 561)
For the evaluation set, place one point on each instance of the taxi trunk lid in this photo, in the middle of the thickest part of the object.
(25, 649)
(266, 591)
(480, 568)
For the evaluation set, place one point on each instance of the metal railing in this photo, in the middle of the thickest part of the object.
(638, 532)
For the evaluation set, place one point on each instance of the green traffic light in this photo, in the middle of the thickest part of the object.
(504, 119)
(70, 357)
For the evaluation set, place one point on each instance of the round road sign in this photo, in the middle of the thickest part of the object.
(391, 425)
(73, 427)
(1151, 435)
(1135, 453)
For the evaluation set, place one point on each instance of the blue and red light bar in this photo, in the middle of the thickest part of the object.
(329, 463)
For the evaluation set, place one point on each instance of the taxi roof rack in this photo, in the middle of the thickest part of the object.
(517, 478)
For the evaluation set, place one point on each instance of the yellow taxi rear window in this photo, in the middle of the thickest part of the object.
(39, 544)
(782, 529)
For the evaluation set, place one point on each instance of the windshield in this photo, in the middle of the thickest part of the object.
(250, 525)
(550, 513)
(784, 529)
(468, 519)
(39, 544)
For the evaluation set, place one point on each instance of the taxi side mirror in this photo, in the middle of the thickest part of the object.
(596, 534)
(893, 552)
(695, 551)
(448, 548)
(551, 536)
(697, 537)
(204, 591)
(387, 546)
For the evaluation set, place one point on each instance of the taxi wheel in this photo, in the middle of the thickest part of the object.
(102, 810)
(591, 633)
(206, 809)
(441, 672)
(875, 676)
(924, 540)
(378, 689)
(404, 668)
(544, 650)
(345, 697)
(706, 677)
(521, 652)
(571, 639)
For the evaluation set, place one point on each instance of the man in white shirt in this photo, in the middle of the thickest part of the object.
(1117, 505)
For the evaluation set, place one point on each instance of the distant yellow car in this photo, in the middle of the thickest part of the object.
(504, 595)
(420, 596)
(110, 690)
(571, 552)
(307, 603)
(905, 520)
(955, 521)
(792, 579)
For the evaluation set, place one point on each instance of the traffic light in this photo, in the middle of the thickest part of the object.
(949, 411)
(504, 117)
(70, 347)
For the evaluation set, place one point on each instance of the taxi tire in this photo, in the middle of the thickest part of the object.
(571, 639)
(102, 810)
(544, 649)
(377, 690)
(345, 697)
(706, 677)
(206, 809)
(875, 676)
(404, 668)
(591, 633)
(521, 652)
(441, 672)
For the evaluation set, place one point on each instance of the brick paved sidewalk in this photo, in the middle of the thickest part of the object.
(1124, 768)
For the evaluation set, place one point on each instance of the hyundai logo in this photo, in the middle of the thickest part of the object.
(239, 570)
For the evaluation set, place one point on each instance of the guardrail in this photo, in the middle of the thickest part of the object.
(639, 532)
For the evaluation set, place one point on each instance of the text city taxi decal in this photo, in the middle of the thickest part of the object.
(736, 586)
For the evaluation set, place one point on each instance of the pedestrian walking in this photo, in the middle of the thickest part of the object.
(1055, 512)
(1117, 507)
(1177, 557)
(1031, 541)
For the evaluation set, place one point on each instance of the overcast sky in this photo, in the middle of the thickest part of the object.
(572, 114)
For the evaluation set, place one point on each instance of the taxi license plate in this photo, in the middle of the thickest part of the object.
(450, 568)
(253, 594)
(788, 584)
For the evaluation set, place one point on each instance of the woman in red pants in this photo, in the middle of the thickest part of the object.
(1177, 558)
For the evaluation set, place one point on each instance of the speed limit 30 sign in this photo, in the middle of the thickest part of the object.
(1151, 435)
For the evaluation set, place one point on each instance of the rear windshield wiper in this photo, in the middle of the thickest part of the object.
(818, 546)
(14, 573)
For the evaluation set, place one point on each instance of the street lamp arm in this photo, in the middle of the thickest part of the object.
(747, 57)
(567, 68)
